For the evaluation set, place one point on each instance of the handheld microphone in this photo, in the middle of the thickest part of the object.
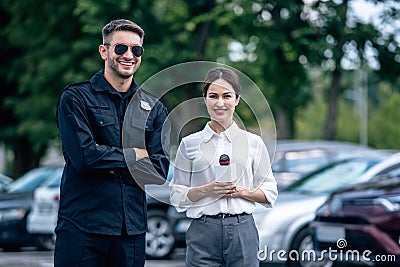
(225, 172)
(224, 160)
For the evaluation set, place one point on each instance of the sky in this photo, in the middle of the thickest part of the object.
(366, 11)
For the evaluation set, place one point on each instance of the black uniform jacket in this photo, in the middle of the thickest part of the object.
(101, 188)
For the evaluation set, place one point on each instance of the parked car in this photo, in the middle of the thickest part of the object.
(362, 219)
(42, 220)
(294, 158)
(286, 226)
(160, 241)
(15, 205)
(4, 181)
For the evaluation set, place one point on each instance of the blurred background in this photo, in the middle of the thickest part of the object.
(329, 68)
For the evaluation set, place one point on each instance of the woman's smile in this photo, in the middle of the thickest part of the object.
(220, 111)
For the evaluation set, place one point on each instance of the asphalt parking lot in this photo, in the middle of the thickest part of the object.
(45, 259)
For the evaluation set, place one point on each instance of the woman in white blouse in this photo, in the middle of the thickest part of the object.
(222, 232)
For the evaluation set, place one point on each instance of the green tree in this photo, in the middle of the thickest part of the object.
(44, 64)
(277, 43)
(8, 120)
(310, 119)
(273, 38)
(383, 129)
(52, 51)
(345, 44)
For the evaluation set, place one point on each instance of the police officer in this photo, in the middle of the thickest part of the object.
(102, 213)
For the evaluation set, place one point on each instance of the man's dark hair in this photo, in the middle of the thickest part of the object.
(121, 25)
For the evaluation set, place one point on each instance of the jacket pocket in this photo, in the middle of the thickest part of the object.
(104, 127)
(102, 120)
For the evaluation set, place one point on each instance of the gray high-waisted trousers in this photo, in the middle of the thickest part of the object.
(229, 242)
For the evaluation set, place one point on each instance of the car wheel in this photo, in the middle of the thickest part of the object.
(303, 242)
(160, 241)
(45, 242)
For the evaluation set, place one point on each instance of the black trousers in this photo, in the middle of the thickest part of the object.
(75, 248)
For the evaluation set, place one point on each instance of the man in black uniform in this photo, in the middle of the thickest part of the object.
(111, 149)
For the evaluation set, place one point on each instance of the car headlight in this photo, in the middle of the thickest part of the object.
(11, 214)
(394, 201)
(335, 205)
(389, 203)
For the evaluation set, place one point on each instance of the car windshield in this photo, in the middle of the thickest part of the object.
(304, 161)
(29, 181)
(4, 181)
(333, 177)
(54, 180)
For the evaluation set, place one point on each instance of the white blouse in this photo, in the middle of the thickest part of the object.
(196, 157)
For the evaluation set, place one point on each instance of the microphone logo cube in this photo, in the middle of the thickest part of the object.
(225, 173)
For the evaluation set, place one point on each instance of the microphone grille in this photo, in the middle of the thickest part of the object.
(224, 159)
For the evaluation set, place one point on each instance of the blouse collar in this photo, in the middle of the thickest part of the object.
(228, 133)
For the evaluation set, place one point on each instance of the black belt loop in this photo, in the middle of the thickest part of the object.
(238, 219)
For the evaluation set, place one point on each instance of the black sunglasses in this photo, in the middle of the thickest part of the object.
(121, 49)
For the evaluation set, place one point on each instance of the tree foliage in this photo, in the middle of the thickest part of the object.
(277, 43)
(383, 128)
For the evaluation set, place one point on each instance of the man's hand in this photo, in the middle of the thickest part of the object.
(140, 153)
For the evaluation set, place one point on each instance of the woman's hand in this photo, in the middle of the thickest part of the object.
(212, 189)
(239, 191)
(219, 189)
(256, 195)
